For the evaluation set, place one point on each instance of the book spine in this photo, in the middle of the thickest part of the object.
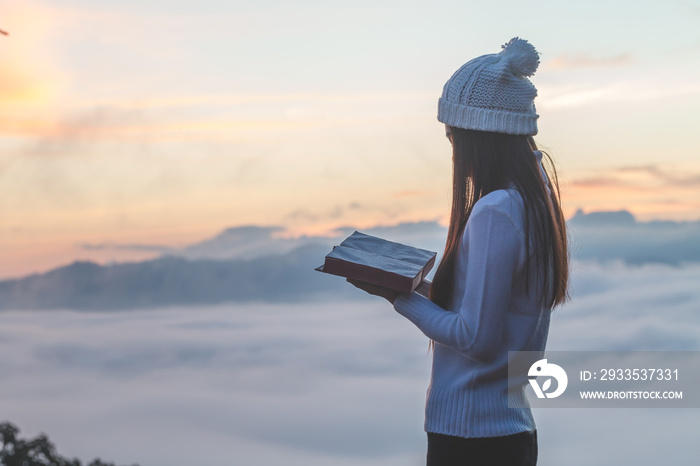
(428, 267)
(371, 275)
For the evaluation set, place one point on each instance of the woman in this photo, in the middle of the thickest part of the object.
(504, 268)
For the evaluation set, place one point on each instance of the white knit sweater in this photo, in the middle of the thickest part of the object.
(490, 313)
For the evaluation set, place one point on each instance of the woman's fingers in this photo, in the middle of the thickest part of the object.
(368, 287)
(356, 283)
(373, 289)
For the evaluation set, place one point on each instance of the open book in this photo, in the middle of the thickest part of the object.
(375, 260)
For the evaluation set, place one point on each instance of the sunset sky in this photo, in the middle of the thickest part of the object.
(145, 122)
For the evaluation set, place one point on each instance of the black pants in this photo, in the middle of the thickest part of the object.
(510, 450)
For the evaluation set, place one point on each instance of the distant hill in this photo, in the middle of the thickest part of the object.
(173, 280)
(603, 219)
(246, 263)
(617, 235)
(254, 264)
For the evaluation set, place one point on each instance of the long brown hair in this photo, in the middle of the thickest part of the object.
(483, 162)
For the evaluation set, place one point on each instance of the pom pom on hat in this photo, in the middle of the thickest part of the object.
(522, 57)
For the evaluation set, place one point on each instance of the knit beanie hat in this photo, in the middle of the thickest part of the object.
(492, 92)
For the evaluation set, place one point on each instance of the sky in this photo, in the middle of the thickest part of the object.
(166, 122)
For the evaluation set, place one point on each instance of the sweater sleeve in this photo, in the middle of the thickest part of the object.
(490, 251)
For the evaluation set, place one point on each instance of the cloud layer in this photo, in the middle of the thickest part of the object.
(330, 383)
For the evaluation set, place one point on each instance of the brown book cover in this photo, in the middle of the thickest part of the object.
(375, 260)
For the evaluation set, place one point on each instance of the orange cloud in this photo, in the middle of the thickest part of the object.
(218, 100)
(121, 125)
(640, 177)
(650, 191)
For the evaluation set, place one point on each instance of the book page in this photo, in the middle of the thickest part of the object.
(382, 247)
(369, 259)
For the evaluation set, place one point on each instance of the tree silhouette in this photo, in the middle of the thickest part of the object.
(38, 451)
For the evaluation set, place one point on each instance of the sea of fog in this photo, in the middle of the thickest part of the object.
(318, 383)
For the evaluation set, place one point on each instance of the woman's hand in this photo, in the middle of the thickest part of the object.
(386, 293)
